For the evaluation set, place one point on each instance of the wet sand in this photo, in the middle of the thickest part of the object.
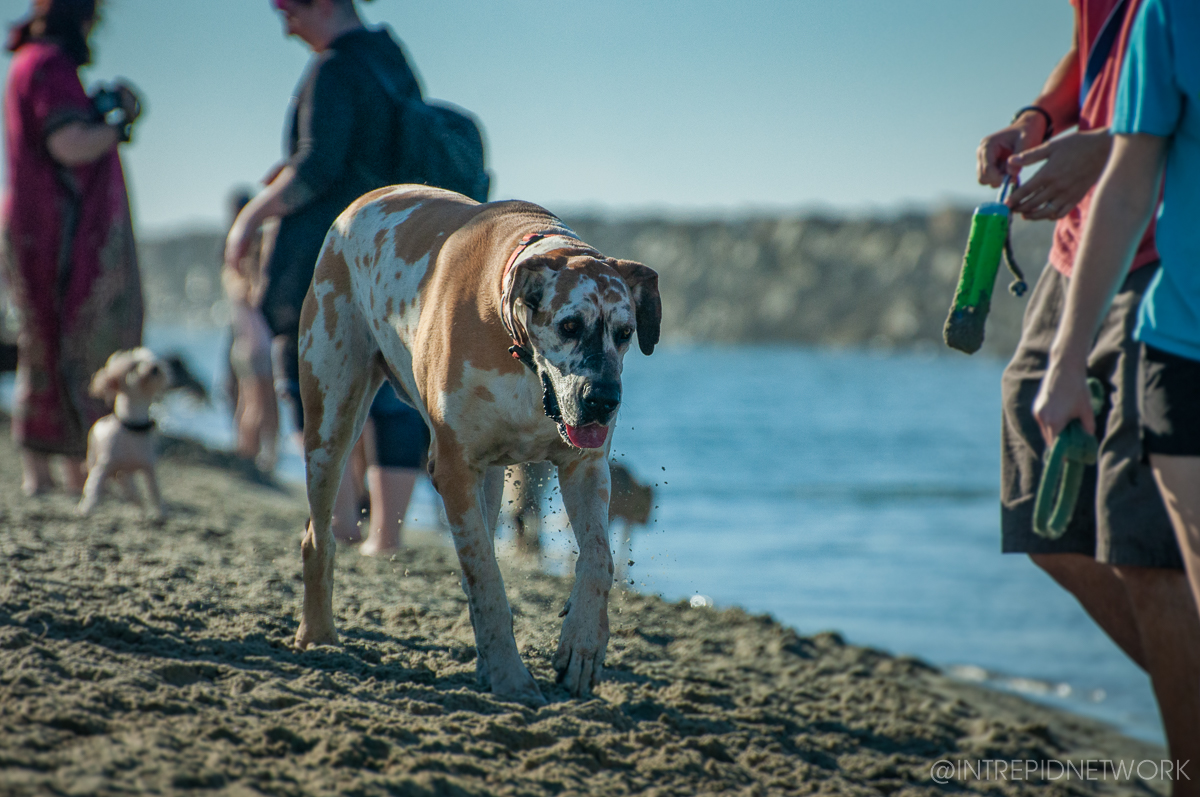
(141, 657)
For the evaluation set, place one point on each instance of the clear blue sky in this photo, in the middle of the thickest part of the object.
(617, 105)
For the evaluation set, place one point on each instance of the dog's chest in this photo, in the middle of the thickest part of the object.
(500, 417)
(121, 448)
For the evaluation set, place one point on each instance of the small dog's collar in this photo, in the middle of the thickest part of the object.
(138, 427)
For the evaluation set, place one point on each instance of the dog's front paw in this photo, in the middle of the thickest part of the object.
(516, 686)
(308, 635)
(581, 648)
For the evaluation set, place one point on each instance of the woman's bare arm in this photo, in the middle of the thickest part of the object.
(79, 143)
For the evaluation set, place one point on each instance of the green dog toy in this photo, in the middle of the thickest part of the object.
(989, 240)
(1062, 476)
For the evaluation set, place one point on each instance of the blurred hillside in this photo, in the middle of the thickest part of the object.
(806, 279)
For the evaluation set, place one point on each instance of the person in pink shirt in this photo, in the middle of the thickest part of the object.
(1119, 556)
(68, 242)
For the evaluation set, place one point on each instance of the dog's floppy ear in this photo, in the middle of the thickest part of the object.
(643, 285)
(108, 381)
(529, 279)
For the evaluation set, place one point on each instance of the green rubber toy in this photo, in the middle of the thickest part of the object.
(977, 280)
(1062, 475)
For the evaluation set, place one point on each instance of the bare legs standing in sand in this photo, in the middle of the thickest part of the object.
(390, 490)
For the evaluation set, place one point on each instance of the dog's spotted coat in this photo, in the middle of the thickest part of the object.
(411, 286)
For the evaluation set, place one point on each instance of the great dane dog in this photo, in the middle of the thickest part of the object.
(507, 333)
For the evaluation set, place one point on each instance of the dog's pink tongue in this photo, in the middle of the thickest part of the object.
(591, 436)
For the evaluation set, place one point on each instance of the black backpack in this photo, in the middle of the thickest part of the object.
(440, 143)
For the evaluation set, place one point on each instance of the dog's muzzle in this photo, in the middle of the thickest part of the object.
(597, 406)
(600, 401)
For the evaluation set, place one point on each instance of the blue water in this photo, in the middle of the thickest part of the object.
(858, 492)
(837, 490)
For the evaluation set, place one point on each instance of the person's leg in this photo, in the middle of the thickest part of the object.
(395, 443)
(347, 514)
(1170, 434)
(1071, 559)
(268, 425)
(245, 417)
(74, 474)
(1102, 594)
(390, 489)
(286, 369)
(1170, 636)
(36, 466)
(1137, 538)
(1178, 481)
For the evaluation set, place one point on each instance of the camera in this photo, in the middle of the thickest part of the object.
(107, 105)
(106, 102)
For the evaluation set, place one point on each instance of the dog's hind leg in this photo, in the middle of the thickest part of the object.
(339, 374)
(464, 492)
(584, 639)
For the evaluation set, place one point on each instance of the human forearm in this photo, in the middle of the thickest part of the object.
(284, 195)
(1060, 95)
(279, 198)
(80, 143)
(1125, 199)
(1059, 98)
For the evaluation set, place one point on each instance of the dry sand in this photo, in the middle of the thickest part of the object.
(140, 657)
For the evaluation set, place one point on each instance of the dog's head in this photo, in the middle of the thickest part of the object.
(579, 315)
(134, 373)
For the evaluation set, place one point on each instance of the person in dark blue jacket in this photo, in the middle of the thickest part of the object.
(342, 139)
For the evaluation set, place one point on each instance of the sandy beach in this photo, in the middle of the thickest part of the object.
(142, 657)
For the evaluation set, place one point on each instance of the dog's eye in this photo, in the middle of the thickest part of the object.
(622, 336)
(569, 328)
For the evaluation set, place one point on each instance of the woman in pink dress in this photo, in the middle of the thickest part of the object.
(68, 239)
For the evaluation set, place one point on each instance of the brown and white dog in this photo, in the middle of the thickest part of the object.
(508, 334)
(122, 444)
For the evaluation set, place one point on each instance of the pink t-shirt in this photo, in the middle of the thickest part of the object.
(1097, 113)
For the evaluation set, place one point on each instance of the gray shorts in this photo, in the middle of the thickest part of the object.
(1120, 518)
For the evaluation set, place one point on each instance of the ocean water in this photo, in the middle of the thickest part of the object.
(844, 490)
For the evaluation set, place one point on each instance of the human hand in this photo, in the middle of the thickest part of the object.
(237, 244)
(995, 151)
(1073, 164)
(270, 176)
(130, 102)
(1063, 397)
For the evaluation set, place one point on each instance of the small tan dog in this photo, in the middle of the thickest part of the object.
(630, 503)
(121, 444)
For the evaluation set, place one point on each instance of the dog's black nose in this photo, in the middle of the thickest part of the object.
(602, 399)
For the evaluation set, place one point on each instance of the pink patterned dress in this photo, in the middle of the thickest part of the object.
(69, 256)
